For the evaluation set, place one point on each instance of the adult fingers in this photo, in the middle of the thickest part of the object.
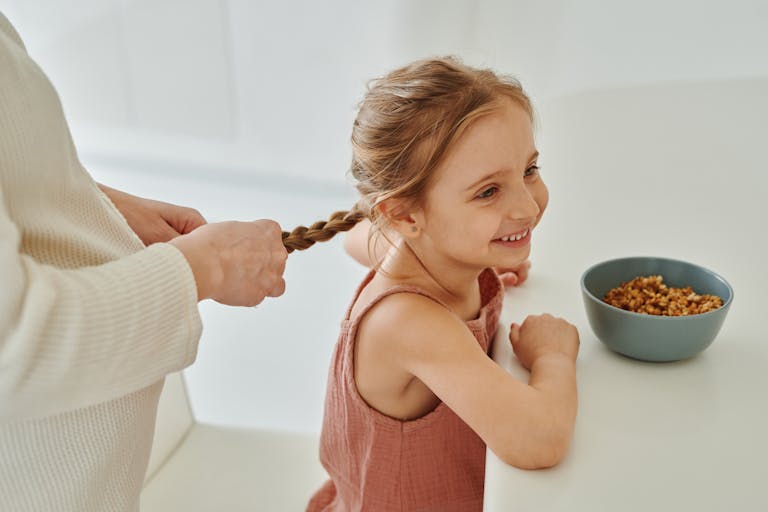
(194, 219)
(159, 232)
(186, 220)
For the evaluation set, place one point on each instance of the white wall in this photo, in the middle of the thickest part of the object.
(271, 87)
(242, 109)
(252, 87)
(562, 47)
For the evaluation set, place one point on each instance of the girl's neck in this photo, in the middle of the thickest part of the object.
(456, 286)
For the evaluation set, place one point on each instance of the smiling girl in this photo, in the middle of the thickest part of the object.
(446, 165)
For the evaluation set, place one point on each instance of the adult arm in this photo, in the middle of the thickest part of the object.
(73, 338)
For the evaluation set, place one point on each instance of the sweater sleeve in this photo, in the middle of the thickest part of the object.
(71, 338)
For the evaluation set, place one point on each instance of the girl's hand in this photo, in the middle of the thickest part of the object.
(514, 276)
(154, 221)
(542, 335)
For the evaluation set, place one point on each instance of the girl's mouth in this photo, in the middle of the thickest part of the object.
(519, 239)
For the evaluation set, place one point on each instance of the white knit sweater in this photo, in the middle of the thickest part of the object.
(90, 320)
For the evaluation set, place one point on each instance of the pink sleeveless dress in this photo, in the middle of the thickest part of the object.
(435, 463)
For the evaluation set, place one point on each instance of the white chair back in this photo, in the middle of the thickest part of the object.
(174, 419)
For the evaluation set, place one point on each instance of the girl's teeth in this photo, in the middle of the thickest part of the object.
(514, 237)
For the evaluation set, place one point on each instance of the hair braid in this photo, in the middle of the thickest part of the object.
(302, 237)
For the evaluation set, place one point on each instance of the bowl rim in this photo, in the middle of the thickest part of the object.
(714, 274)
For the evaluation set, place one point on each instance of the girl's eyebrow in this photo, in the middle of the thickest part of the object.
(494, 174)
(484, 178)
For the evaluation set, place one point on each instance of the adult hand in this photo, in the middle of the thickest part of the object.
(154, 221)
(514, 276)
(236, 263)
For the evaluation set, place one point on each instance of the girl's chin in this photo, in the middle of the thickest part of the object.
(511, 255)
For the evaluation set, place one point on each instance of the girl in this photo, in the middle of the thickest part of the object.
(446, 166)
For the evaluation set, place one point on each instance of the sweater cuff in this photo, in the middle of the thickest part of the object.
(165, 265)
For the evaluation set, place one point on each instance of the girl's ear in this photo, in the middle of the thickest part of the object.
(400, 217)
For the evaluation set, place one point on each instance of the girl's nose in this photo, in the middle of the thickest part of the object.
(522, 204)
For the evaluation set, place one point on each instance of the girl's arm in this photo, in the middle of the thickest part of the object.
(356, 244)
(528, 425)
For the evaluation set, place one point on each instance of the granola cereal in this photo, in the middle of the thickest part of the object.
(649, 295)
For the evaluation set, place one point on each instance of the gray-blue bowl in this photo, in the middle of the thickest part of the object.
(653, 337)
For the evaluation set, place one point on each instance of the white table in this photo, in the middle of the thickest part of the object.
(683, 436)
(687, 436)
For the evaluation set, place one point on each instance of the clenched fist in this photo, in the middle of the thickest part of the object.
(236, 263)
(540, 335)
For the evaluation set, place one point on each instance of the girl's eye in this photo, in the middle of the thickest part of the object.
(532, 170)
(487, 193)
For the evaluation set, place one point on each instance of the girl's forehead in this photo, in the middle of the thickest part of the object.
(500, 141)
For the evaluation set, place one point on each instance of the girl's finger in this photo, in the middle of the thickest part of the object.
(514, 333)
(508, 278)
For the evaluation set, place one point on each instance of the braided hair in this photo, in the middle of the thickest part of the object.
(305, 237)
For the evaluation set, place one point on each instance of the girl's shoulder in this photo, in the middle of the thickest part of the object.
(401, 318)
(399, 306)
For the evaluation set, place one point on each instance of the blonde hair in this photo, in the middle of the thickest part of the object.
(406, 124)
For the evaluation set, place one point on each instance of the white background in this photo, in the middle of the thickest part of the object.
(242, 109)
